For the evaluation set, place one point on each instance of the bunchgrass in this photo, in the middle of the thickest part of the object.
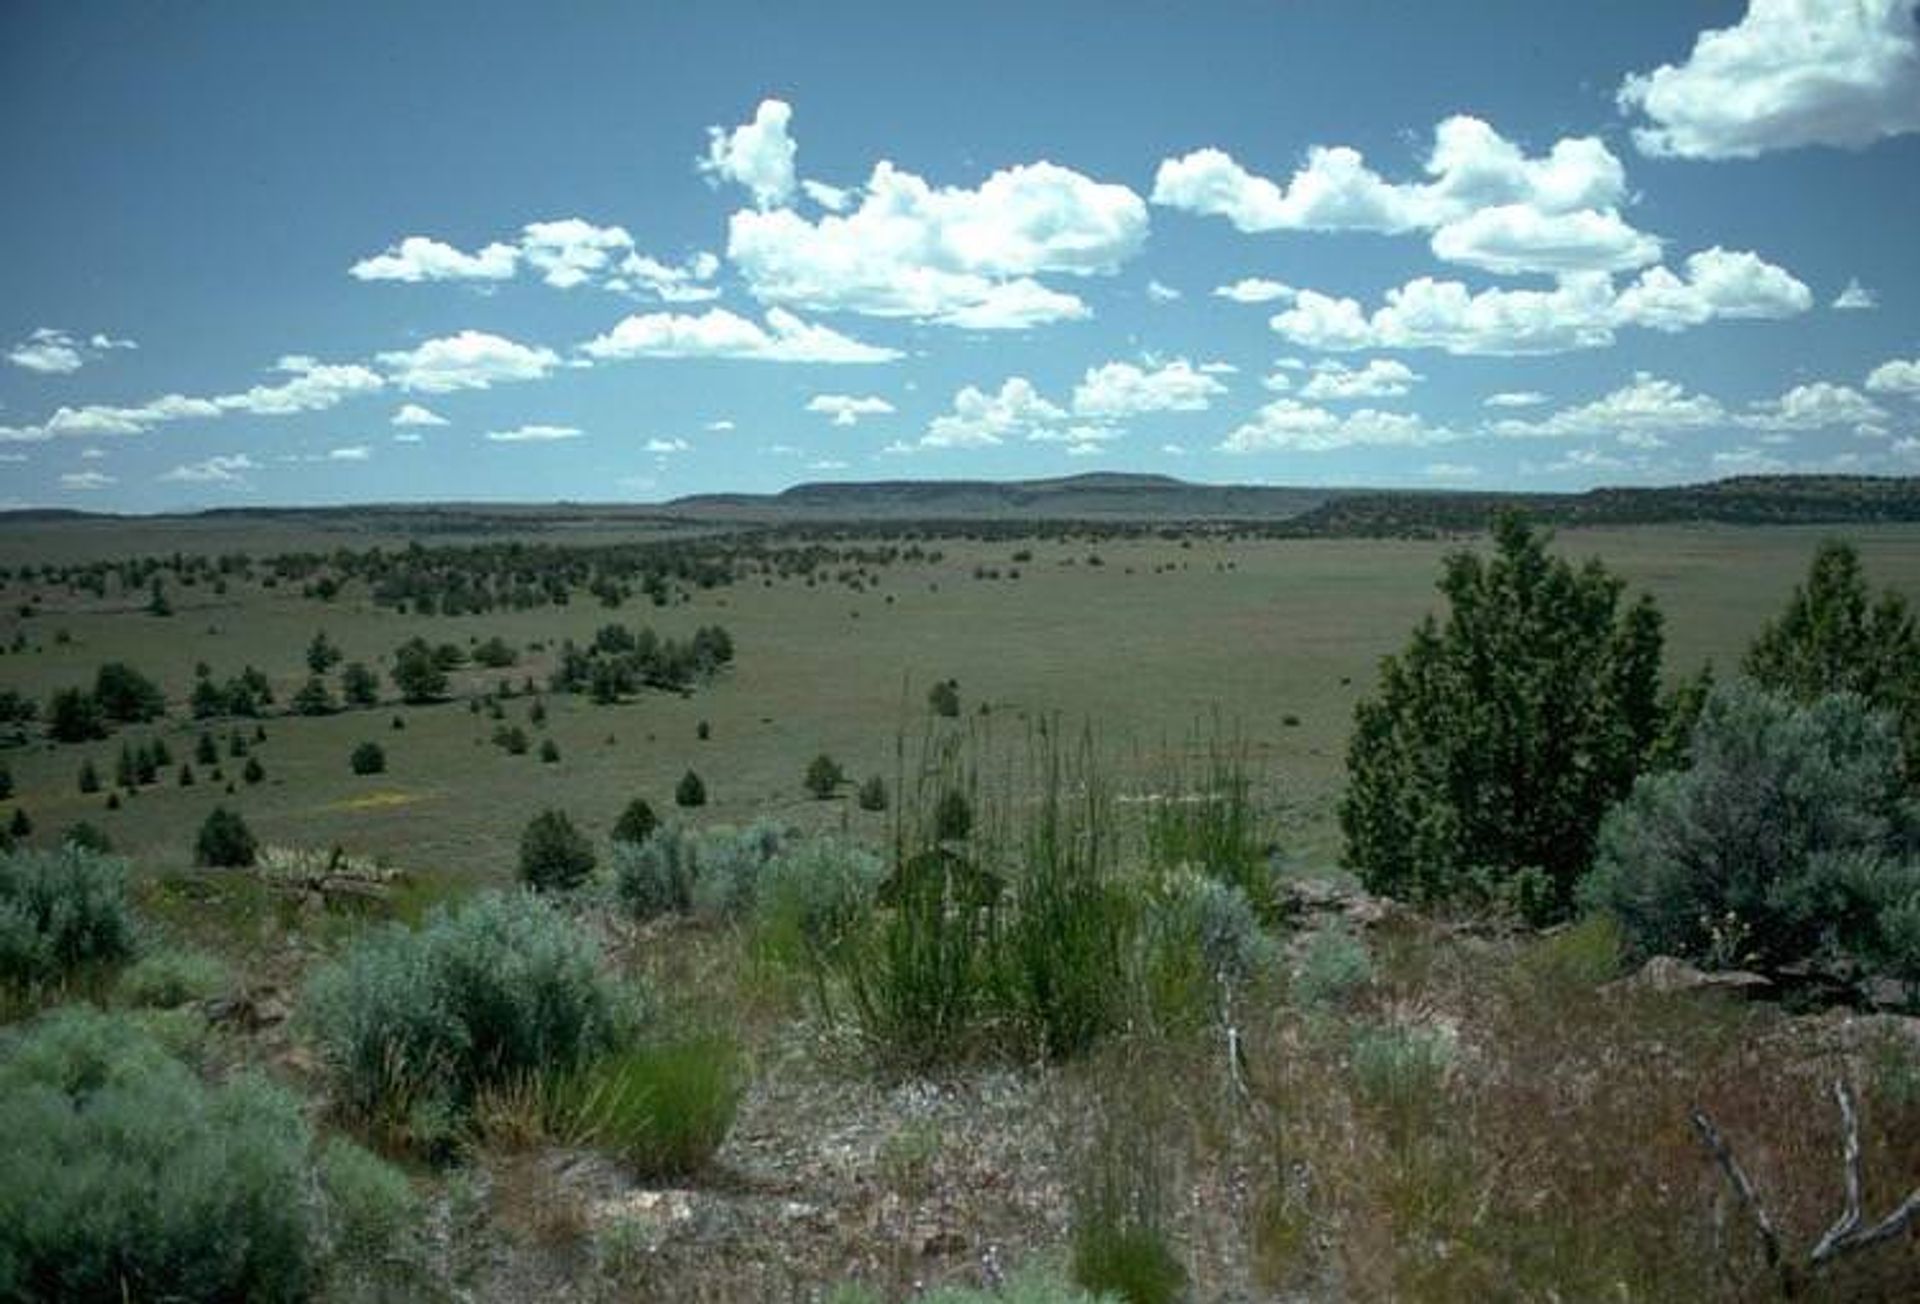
(1066, 941)
(1204, 818)
(663, 1108)
(1038, 934)
(1121, 1196)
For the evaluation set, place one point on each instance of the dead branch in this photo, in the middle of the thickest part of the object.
(1846, 1234)
(1236, 1049)
(1849, 1221)
(1742, 1186)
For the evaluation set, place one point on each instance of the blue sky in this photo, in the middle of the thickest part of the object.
(267, 254)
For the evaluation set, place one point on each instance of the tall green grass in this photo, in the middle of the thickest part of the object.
(664, 1108)
(1034, 936)
(1122, 1189)
(1204, 818)
(1063, 958)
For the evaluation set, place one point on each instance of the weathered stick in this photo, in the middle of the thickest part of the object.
(1236, 1049)
(1742, 1186)
(1849, 1221)
(1845, 1234)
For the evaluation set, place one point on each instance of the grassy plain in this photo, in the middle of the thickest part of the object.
(1279, 638)
(1409, 1111)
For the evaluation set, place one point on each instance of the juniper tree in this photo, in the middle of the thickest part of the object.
(1835, 637)
(1496, 740)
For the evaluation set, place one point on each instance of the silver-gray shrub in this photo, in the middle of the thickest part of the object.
(1197, 934)
(499, 987)
(1333, 964)
(714, 873)
(813, 895)
(122, 1175)
(1214, 920)
(730, 865)
(655, 877)
(1791, 836)
(61, 911)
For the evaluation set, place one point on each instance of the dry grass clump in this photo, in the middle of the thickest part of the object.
(1494, 1121)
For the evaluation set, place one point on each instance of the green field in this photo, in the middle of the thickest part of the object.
(1148, 647)
(1319, 1093)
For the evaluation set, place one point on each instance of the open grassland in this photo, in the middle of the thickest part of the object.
(1094, 1032)
(1278, 638)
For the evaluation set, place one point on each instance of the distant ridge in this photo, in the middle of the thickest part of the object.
(1100, 495)
(1110, 497)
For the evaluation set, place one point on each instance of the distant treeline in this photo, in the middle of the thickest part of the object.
(1748, 500)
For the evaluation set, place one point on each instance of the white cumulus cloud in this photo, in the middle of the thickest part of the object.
(1647, 408)
(1486, 203)
(1288, 425)
(980, 419)
(1380, 378)
(421, 258)
(534, 434)
(686, 282)
(718, 333)
(959, 256)
(1429, 314)
(758, 155)
(1582, 310)
(1895, 376)
(55, 352)
(314, 387)
(1816, 406)
(1254, 289)
(413, 414)
(48, 351)
(1718, 283)
(847, 409)
(1512, 238)
(1855, 297)
(220, 469)
(468, 360)
(1790, 73)
(565, 252)
(571, 251)
(1119, 390)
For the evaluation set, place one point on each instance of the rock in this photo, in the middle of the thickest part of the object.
(658, 1211)
(1886, 994)
(1665, 974)
(1305, 899)
(944, 1244)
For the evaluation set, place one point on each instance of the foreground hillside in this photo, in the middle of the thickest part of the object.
(777, 915)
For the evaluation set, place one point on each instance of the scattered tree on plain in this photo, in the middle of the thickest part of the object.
(1496, 741)
(554, 855)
